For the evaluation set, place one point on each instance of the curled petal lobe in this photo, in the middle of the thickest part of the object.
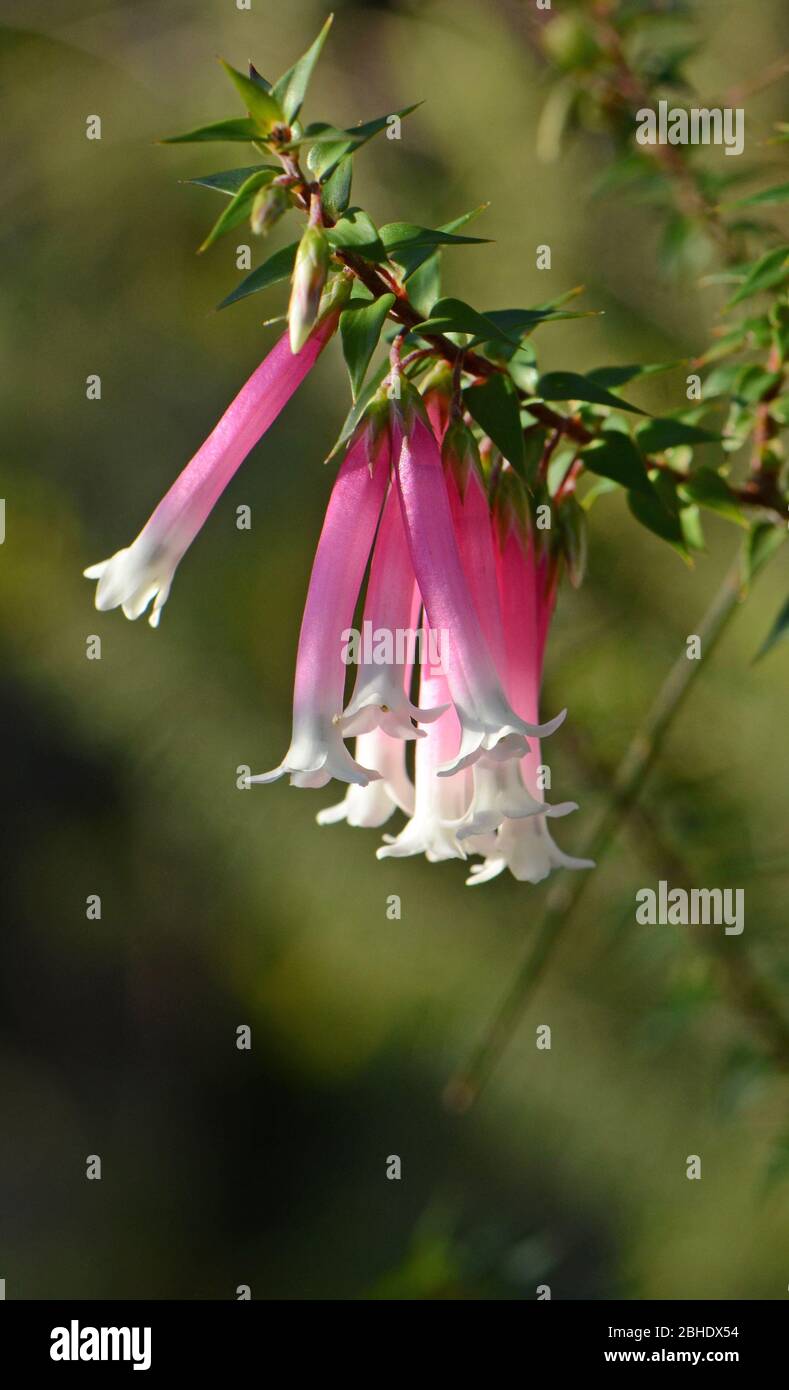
(374, 804)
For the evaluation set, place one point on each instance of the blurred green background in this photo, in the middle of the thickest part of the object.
(223, 907)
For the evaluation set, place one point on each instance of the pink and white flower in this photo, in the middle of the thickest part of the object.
(142, 573)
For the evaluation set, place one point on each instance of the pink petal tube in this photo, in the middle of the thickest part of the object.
(144, 571)
(525, 845)
(317, 751)
(488, 724)
(379, 697)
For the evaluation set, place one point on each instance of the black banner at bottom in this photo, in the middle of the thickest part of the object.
(161, 1340)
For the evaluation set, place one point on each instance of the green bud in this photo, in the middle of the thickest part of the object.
(373, 427)
(460, 454)
(309, 277)
(268, 207)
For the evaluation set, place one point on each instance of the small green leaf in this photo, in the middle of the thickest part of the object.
(277, 267)
(759, 546)
(290, 89)
(692, 530)
(571, 386)
(708, 489)
(494, 405)
(336, 191)
(357, 232)
(424, 284)
(230, 180)
(652, 513)
(619, 376)
(360, 327)
(616, 457)
(768, 197)
(330, 144)
(573, 530)
(666, 433)
(357, 410)
(263, 107)
(235, 129)
(771, 269)
(778, 632)
(411, 260)
(406, 236)
(454, 316)
(239, 207)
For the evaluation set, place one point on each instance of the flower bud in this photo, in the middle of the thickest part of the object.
(268, 207)
(373, 428)
(309, 277)
(460, 455)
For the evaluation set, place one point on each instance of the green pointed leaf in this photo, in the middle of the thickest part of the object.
(231, 180)
(692, 529)
(277, 267)
(494, 405)
(778, 632)
(652, 513)
(708, 489)
(770, 270)
(290, 89)
(759, 547)
(768, 197)
(263, 107)
(239, 207)
(424, 284)
(616, 457)
(235, 129)
(407, 236)
(357, 409)
(410, 260)
(455, 316)
(666, 433)
(330, 144)
(619, 376)
(355, 231)
(571, 386)
(255, 76)
(360, 328)
(336, 191)
(573, 529)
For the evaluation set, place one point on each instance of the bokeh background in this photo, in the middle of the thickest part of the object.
(223, 907)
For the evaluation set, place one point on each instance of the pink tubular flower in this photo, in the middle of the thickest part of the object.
(488, 724)
(440, 802)
(373, 805)
(144, 571)
(392, 608)
(499, 791)
(524, 845)
(317, 751)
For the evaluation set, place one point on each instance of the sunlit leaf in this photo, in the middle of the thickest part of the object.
(290, 89)
(360, 328)
(277, 267)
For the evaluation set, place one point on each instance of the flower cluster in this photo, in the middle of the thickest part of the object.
(450, 550)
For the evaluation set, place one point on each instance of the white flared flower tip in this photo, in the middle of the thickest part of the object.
(528, 850)
(395, 715)
(496, 744)
(313, 759)
(132, 579)
(426, 835)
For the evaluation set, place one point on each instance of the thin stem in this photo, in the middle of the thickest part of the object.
(569, 889)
